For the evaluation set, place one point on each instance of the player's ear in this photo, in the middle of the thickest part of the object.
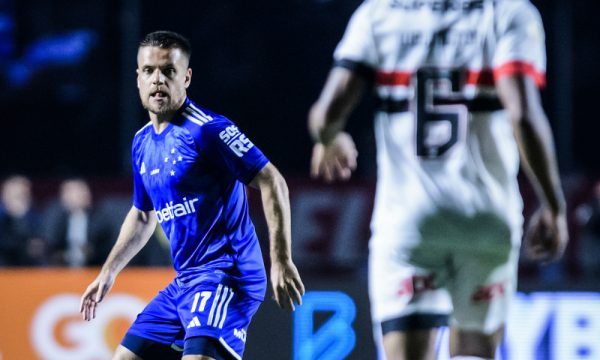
(188, 77)
(137, 79)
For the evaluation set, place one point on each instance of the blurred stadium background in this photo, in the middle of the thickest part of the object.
(70, 108)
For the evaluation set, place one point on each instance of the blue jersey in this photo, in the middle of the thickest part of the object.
(192, 175)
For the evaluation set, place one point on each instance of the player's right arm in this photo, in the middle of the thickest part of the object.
(135, 232)
(519, 65)
(547, 235)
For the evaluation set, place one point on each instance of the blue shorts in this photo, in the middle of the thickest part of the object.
(180, 312)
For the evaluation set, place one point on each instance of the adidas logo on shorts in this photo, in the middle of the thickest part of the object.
(194, 323)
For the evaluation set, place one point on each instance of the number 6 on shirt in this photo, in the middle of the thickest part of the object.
(439, 127)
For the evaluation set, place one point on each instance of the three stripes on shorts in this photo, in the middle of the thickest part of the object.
(218, 309)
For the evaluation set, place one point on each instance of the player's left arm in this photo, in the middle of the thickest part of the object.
(355, 61)
(285, 279)
(334, 153)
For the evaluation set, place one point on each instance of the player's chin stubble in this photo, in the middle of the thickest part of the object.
(157, 110)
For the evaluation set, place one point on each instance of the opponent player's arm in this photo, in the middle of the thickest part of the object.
(135, 232)
(520, 96)
(334, 153)
(341, 92)
(285, 279)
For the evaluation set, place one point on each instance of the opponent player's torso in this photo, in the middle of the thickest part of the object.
(411, 34)
(443, 140)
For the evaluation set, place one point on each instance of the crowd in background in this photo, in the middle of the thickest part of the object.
(74, 229)
(71, 230)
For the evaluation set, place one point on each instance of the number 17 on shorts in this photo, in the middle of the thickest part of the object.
(220, 313)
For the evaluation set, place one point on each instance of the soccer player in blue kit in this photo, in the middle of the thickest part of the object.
(189, 168)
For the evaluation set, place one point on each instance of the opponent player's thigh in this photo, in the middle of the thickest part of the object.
(482, 288)
(157, 330)
(410, 345)
(408, 304)
(218, 312)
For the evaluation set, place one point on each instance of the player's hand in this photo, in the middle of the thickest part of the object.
(94, 294)
(336, 160)
(287, 285)
(546, 237)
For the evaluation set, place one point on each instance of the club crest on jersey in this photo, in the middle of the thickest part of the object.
(172, 211)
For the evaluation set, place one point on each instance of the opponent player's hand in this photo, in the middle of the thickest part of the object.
(336, 160)
(547, 236)
(287, 285)
(94, 294)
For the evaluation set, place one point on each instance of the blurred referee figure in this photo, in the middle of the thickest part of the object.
(190, 166)
(458, 101)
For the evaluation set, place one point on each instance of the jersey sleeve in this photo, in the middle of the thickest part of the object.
(224, 144)
(520, 45)
(141, 200)
(356, 51)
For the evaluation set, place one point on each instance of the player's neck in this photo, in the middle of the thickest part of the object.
(160, 121)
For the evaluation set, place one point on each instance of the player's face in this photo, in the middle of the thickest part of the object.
(162, 78)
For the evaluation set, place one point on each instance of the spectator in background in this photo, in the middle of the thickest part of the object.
(81, 231)
(70, 224)
(588, 218)
(20, 242)
(108, 215)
